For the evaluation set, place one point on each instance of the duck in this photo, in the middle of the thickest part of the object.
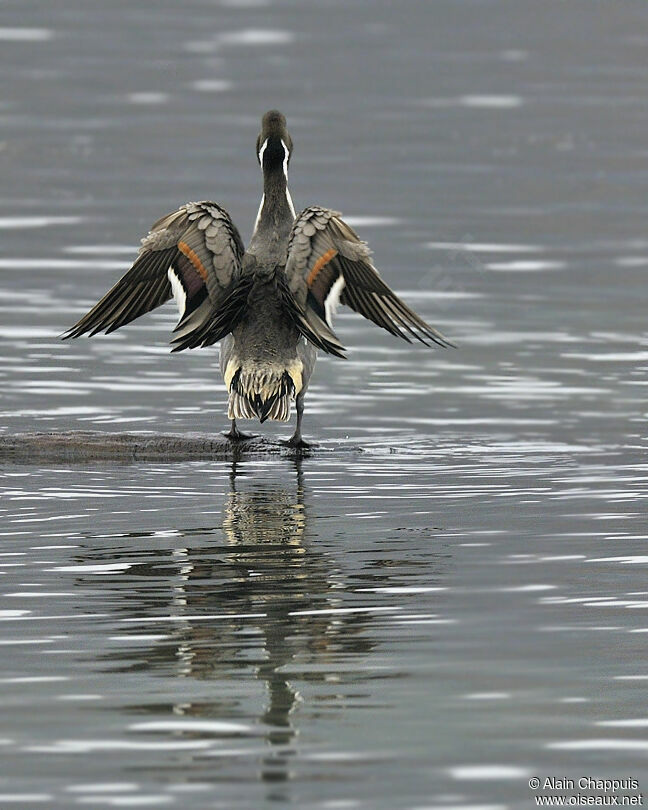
(271, 306)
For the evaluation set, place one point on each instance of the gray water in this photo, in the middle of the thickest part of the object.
(425, 624)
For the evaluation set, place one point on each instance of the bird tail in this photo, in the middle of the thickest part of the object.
(263, 391)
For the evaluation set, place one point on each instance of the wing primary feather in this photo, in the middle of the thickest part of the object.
(358, 299)
(366, 277)
(321, 246)
(425, 328)
(216, 258)
(103, 317)
(132, 309)
(381, 316)
(133, 303)
(105, 313)
(129, 309)
(399, 322)
(393, 312)
(145, 265)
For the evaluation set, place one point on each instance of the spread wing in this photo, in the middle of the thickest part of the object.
(194, 254)
(327, 263)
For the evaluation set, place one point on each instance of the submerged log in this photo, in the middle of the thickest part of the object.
(82, 446)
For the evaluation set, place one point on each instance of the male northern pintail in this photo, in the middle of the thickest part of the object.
(271, 305)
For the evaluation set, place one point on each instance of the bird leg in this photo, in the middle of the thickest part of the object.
(296, 439)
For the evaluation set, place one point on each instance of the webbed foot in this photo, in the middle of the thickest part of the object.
(297, 442)
(238, 436)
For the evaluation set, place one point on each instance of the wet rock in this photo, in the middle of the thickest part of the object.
(82, 446)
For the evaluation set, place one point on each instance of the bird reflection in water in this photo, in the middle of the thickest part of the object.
(260, 562)
(273, 521)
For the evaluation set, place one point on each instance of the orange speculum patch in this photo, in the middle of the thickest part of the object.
(184, 248)
(320, 264)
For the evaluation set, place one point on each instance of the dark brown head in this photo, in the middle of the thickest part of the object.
(274, 144)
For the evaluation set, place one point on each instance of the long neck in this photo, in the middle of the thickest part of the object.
(276, 212)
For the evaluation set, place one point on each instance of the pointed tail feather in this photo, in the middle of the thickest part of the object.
(263, 391)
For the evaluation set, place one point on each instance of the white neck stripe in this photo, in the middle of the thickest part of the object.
(285, 160)
(291, 207)
(258, 216)
(290, 203)
(261, 151)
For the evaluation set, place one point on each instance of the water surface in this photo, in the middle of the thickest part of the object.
(429, 622)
